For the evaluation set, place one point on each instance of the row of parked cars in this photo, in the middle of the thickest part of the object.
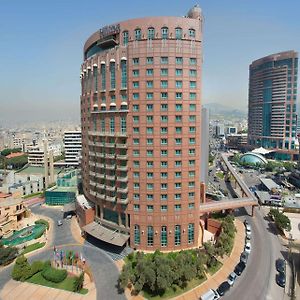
(238, 270)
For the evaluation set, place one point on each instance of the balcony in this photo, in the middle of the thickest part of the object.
(111, 199)
(100, 175)
(92, 183)
(122, 156)
(99, 144)
(91, 153)
(101, 186)
(110, 188)
(99, 154)
(101, 196)
(93, 193)
(122, 179)
(122, 168)
(92, 173)
(110, 167)
(99, 165)
(110, 145)
(122, 190)
(110, 177)
(110, 155)
(92, 163)
(108, 133)
(123, 201)
(122, 146)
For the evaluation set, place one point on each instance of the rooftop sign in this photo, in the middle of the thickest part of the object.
(109, 30)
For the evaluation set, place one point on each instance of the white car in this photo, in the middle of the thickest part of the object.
(231, 278)
(247, 248)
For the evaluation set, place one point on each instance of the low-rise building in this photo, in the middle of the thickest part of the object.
(237, 141)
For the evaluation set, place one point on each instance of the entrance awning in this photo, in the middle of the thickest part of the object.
(68, 207)
(104, 234)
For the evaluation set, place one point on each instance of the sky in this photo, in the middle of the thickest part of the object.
(41, 48)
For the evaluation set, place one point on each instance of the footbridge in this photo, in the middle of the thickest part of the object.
(245, 197)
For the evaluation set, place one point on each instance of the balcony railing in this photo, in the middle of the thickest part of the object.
(122, 156)
(110, 155)
(110, 177)
(122, 179)
(112, 199)
(110, 188)
(122, 190)
(110, 145)
(122, 168)
(110, 167)
(123, 201)
(122, 146)
(107, 133)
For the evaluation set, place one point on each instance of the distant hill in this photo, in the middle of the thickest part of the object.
(226, 111)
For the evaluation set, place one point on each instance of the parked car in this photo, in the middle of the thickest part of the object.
(59, 222)
(223, 288)
(244, 257)
(248, 237)
(247, 247)
(69, 217)
(210, 295)
(240, 267)
(280, 279)
(246, 223)
(280, 265)
(231, 278)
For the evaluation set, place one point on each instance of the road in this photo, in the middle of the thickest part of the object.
(258, 279)
(103, 268)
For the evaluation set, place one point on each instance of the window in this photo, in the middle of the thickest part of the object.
(136, 152)
(125, 38)
(163, 197)
(164, 130)
(112, 124)
(177, 196)
(135, 84)
(192, 129)
(136, 61)
(136, 185)
(178, 141)
(164, 33)
(192, 96)
(164, 152)
(95, 75)
(136, 207)
(149, 96)
(149, 164)
(178, 95)
(177, 174)
(177, 207)
(191, 162)
(178, 84)
(150, 208)
(149, 141)
(103, 125)
(149, 72)
(136, 141)
(150, 197)
(192, 84)
(136, 163)
(192, 33)
(192, 118)
(178, 33)
(178, 129)
(178, 107)
(150, 234)
(164, 236)
(164, 72)
(135, 107)
(164, 164)
(123, 74)
(191, 205)
(164, 141)
(103, 77)
(150, 175)
(178, 119)
(150, 186)
(191, 233)
(177, 163)
(193, 73)
(178, 72)
(192, 107)
(136, 174)
(136, 130)
(151, 33)
(149, 153)
(135, 73)
(149, 84)
(164, 175)
(164, 119)
(191, 184)
(177, 185)
(164, 60)
(112, 70)
(135, 119)
(178, 152)
(137, 235)
(164, 95)
(136, 196)
(138, 34)
(191, 173)
(164, 107)
(123, 124)
(193, 61)
(149, 60)
(164, 84)
(150, 120)
(163, 186)
(149, 107)
(177, 235)
(178, 60)
(163, 208)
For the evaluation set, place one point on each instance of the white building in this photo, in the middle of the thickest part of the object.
(72, 144)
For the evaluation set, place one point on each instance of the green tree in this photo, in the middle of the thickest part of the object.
(7, 254)
(21, 270)
(78, 282)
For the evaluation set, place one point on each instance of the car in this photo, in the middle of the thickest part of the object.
(239, 268)
(280, 265)
(223, 288)
(248, 237)
(247, 226)
(246, 223)
(280, 279)
(244, 257)
(231, 278)
(247, 247)
(69, 217)
(210, 295)
(59, 222)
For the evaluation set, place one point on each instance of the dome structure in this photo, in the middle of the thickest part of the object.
(253, 158)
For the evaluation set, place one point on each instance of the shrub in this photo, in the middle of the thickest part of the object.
(40, 234)
(42, 221)
(37, 266)
(54, 275)
(78, 282)
(7, 255)
(22, 269)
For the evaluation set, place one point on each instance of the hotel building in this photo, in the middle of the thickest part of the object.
(140, 116)
(272, 118)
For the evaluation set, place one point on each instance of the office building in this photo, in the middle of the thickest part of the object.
(72, 145)
(140, 116)
(272, 118)
(205, 145)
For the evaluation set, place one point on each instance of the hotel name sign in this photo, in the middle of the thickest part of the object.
(109, 30)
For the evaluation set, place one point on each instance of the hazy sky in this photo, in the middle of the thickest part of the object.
(41, 47)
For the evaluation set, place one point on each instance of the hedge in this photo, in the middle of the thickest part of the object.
(54, 275)
(42, 221)
(37, 266)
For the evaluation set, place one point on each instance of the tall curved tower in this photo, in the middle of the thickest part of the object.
(140, 115)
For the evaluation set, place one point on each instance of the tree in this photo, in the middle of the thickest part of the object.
(78, 282)
(125, 275)
(7, 254)
(21, 270)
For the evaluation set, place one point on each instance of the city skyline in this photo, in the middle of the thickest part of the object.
(43, 42)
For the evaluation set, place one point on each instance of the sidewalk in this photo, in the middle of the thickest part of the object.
(215, 280)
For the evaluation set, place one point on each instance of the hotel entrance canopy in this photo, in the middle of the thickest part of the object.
(104, 234)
